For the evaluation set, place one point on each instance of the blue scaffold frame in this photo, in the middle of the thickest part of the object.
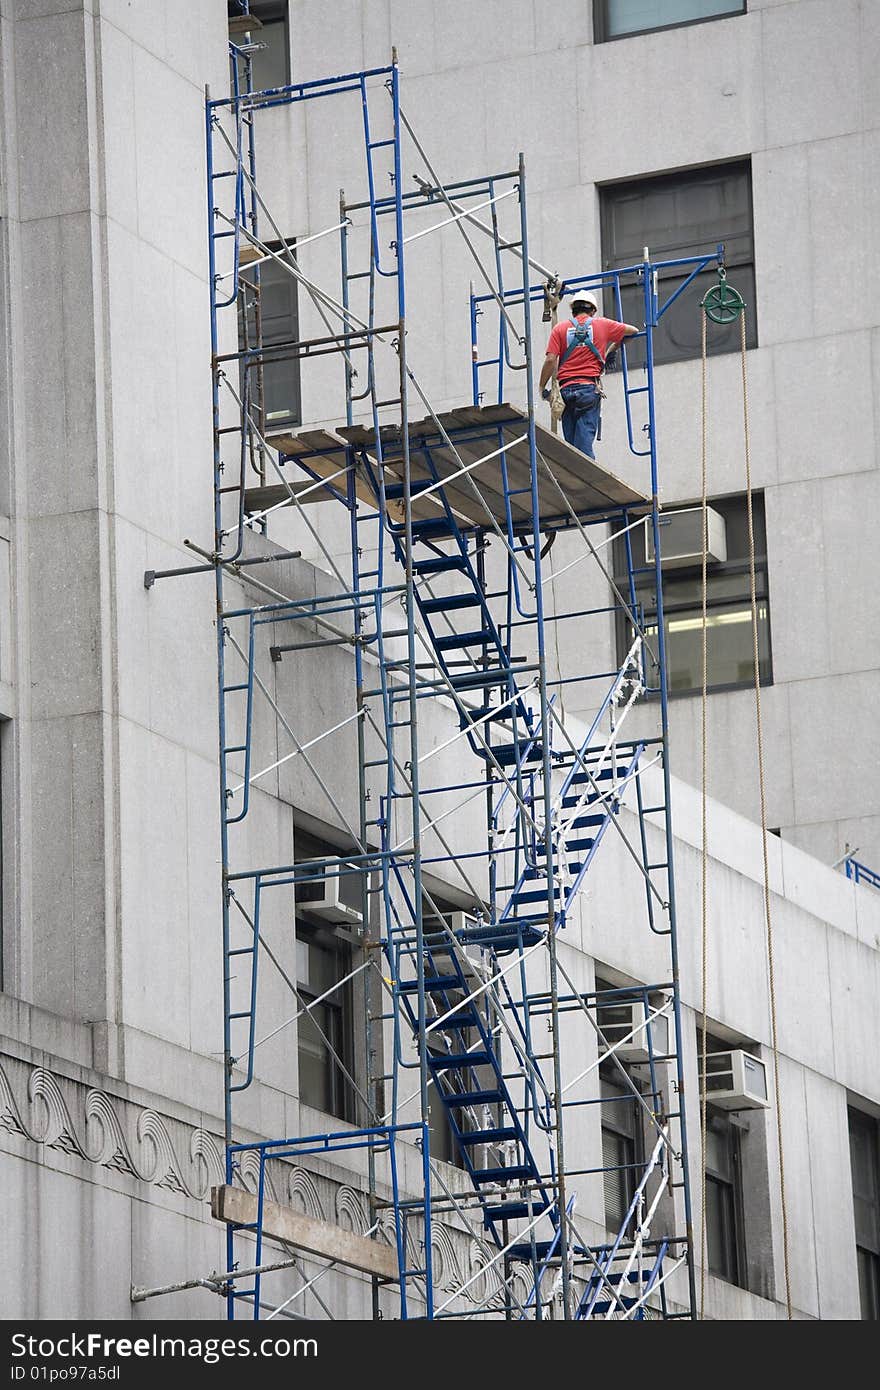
(462, 989)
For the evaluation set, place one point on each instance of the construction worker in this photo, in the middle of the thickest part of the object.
(576, 356)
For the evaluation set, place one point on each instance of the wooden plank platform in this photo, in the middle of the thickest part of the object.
(474, 431)
(234, 1205)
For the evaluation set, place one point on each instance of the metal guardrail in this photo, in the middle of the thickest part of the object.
(860, 873)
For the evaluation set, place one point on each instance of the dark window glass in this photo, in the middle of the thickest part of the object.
(271, 56)
(621, 1148)
(270, 317)
(864, 1148)
(677, 215)
(730, 652)
(324, 961)
(614, 19)
(724, 1224)
(324, 1049)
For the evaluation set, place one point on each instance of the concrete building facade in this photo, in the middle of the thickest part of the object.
(111, 1070)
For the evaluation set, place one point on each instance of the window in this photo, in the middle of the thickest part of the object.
(323, 1041)
(270, 36)
(270, 316)
(324, 960)
(616, 19)
(622, 1155)
(724, 1207)
(675, 215)
(622, 1138)
(730, 655)
(864, 1149)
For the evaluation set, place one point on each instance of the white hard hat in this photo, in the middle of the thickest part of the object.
(584, 297)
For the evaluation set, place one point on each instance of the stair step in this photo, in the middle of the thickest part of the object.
(605, 1304)
(462, 1018)
(476, 680)
(443, 605)
(536, 895)
(487, 1136)
(580, 821)
(515, 1171)
(454, 640)
(425, 530)
(440, 564)
(433, 984)
(634, 1277)
(585, 842)
(458, 1102)
(507, 754)
(459, 1060)
(580, 778)
(576, 798)
(417, 485)
(513, 1211)
(503, 935)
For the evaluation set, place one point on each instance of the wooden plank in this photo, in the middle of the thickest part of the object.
(586, 484)
(304, 446)
(330, 1242)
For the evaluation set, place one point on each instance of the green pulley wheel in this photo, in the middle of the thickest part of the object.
(723, 304)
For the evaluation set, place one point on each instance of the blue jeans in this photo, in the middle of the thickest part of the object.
(580, 419)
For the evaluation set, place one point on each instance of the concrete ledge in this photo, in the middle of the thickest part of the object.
(234, 1205)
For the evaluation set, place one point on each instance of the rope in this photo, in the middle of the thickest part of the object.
(552, 298)
(770, 966)
(704, 953)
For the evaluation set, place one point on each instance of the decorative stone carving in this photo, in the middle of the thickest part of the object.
(351, 1210)
(105, 1141)
(165, 1169)
(109, 1132)
(303, 1194)
(206, 1154)
(57, 1129)
(10, 1119)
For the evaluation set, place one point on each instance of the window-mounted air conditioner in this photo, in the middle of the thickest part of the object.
(335, 898)
(625, 1019)
(736, 1080)
(681, 537)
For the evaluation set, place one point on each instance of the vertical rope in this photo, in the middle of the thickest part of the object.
(704, 952)
(767, 917)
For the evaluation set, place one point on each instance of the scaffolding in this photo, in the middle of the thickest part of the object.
(472, 783)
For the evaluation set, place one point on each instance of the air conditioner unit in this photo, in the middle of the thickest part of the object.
(335, 898)
(736, 1080)
(681, 537)
(626, 1019)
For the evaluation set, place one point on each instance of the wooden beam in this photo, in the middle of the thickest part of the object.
(234, 1205)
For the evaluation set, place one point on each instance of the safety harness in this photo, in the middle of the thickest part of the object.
(581, 335)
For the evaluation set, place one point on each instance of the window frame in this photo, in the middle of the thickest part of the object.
(247, 325)
(600, 23)
(627, 1129)
(869, 1288)
(732, 1187)
(343, 943)
(679, 180)
(337, 942)
(271, 12)
(644, 584)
